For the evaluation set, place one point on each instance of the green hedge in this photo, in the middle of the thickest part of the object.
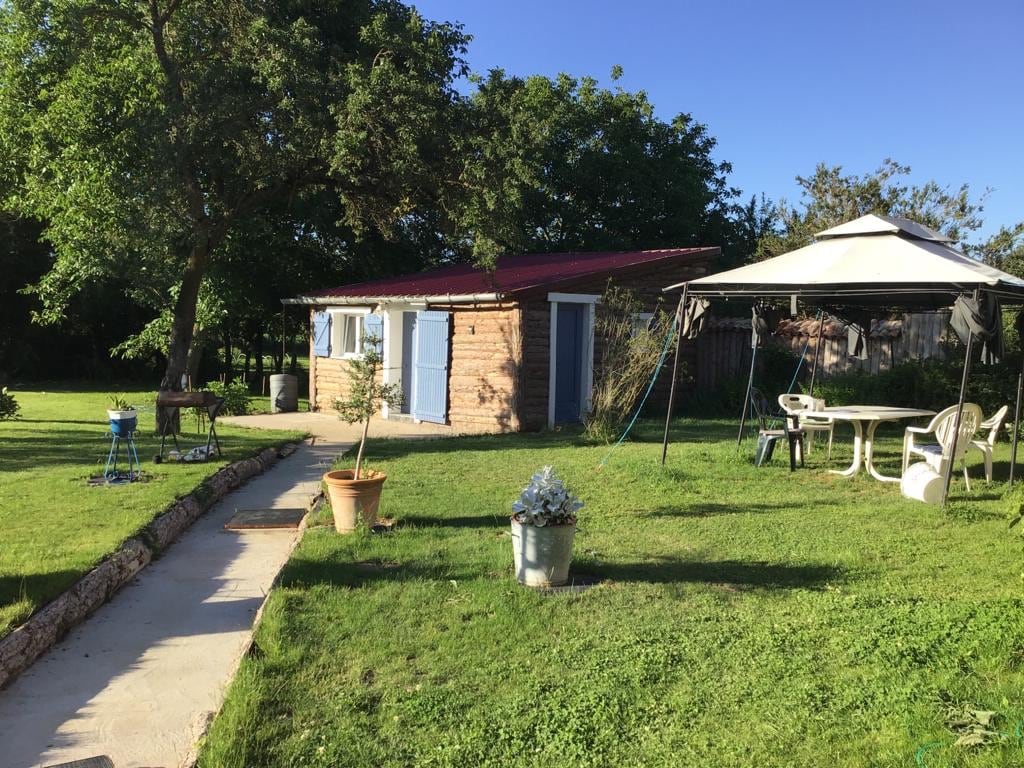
(932, 384)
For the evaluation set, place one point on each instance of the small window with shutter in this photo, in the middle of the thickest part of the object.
(348, 327)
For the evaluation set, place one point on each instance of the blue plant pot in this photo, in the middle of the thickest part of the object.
(122, 422)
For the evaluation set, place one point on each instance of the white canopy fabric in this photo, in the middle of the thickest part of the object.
(875, 260)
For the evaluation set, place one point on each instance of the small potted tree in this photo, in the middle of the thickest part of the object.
(543, 529)
(122, 416)
(355, 493)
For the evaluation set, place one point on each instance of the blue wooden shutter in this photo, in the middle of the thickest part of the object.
(430, 397)
(322, 334)
(373, 325)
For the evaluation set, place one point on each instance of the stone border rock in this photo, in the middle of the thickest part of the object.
(48, 625)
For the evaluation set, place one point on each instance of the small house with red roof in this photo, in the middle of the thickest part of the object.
(486, 351)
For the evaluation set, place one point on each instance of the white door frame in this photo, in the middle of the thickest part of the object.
(589, 300)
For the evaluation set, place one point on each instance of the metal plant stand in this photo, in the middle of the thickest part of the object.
(110, 472)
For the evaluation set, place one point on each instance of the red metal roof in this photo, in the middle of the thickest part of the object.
(512, 274)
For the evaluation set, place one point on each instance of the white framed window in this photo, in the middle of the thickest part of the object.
(347, 332)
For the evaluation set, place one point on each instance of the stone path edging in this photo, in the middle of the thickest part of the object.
(25, 644)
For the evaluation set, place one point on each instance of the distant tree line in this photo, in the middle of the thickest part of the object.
(169, 171)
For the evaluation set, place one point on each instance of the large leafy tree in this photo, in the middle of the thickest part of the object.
(562, 164)
(148, 133)
(829, 197)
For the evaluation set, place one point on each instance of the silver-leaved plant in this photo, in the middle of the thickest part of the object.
(546, 501)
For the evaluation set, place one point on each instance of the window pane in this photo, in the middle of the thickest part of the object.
(351, 335)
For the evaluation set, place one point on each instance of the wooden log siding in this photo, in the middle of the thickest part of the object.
(329, 380)
(723, 350)
(486, 359)
(498, 374)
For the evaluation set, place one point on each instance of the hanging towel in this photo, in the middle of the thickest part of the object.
(984, 320)
(856, 338)
(694, 315)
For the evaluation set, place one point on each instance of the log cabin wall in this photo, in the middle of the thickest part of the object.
(486, 358)
(648, 284)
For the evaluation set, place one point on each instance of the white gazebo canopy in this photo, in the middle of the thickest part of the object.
(873, 260)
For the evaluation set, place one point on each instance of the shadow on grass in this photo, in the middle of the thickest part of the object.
(301, 572)
(95, 422)
(468, 521)
(709, 509)
(36, 588)
(68, 446)
(736, 572)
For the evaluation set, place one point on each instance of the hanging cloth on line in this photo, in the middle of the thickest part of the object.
(763, 320)
(984, 320)
(694, 315)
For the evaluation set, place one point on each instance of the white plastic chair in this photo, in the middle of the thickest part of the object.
(795, 404)
(938, 455)
(986, 444)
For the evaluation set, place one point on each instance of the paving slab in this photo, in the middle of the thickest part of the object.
(139, 680)
(330, 427)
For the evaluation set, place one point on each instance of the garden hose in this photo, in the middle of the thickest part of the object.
(657, 369)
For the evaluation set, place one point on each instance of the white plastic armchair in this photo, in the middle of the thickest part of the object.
(987, 444)
(938, 455)
(794, 405)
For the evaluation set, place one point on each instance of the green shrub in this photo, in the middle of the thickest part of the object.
(932, 384)
(776, 366)
(236, 397)
(8, 405)
(629, 354)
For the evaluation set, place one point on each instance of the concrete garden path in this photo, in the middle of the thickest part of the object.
(138, 680)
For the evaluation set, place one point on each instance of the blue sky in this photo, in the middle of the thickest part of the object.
(786, 85)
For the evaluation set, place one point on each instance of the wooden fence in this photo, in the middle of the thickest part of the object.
(723, 348)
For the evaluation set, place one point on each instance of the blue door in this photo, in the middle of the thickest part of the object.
(568, 362)
(430, 367)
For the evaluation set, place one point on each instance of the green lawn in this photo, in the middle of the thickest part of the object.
(54, 527)
(748, 617)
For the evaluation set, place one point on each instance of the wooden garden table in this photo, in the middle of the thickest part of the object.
(865, 420)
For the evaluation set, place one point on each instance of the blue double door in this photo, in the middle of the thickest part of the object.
(425, 354)
(570, 347)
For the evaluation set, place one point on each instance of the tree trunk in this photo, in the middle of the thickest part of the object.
(257, 352)
(182, 330)
(195, 357)
(227, 354)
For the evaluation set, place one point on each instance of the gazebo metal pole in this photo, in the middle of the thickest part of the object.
(959, 413)
(817, 349)
(678, 325)
(746, 400)
(1016, 420)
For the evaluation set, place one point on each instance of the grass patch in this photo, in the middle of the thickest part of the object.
(55, 527)
(747, 617)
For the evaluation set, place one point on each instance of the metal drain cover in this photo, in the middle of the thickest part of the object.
(102, 761)
(248, 519)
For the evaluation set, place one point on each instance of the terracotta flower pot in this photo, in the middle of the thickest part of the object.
(354, 502)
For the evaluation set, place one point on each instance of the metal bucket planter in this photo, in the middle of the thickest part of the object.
(123, 422)
(542, 555)
(354, 502)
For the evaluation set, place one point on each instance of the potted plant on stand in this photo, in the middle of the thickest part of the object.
(122, 416)
(543, 529)
(355, 493)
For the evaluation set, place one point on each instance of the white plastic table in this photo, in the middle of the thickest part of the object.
(865, 420)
